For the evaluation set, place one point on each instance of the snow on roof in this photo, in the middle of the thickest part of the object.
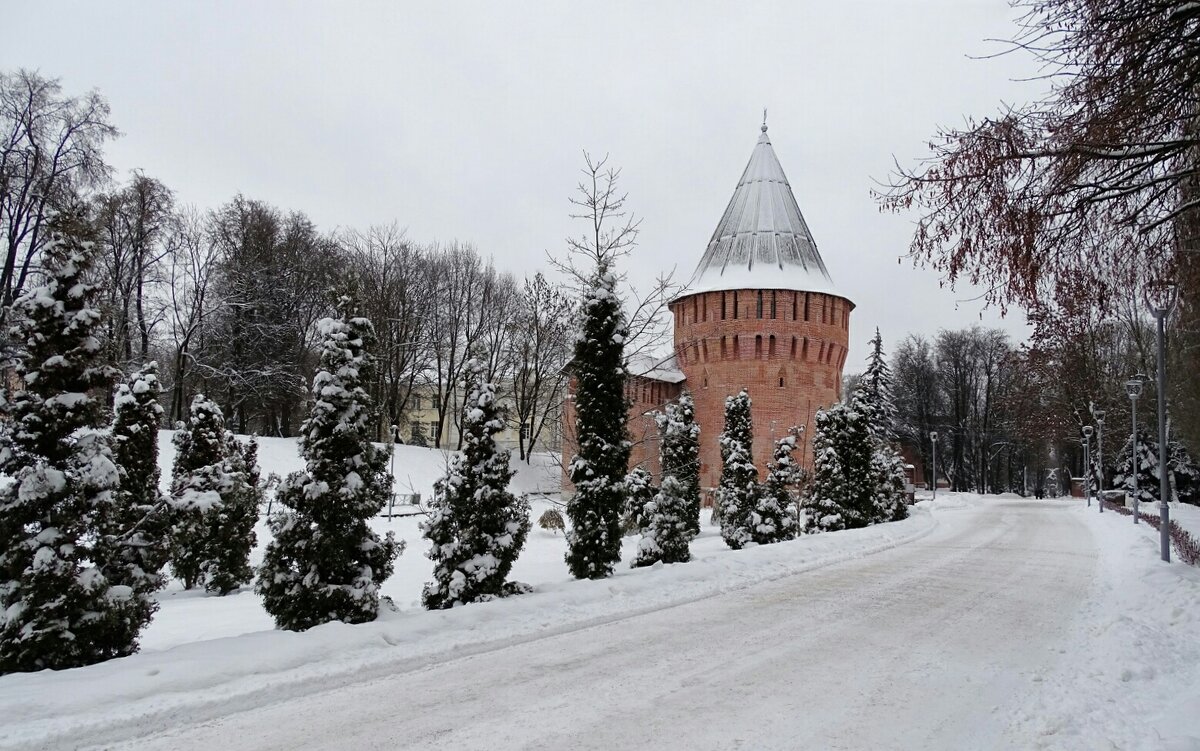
(656, 367)
(762, 240)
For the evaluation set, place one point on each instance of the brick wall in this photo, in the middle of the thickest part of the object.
(787, 348)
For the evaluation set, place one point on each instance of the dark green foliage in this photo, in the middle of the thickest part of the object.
(681, 452)
(774, 515)
(325, 563)
(842, 494)
(58, 610)
(132, 544)
(476, 527)
(738, 491)
(667, 535)
(639, 490)
(598, 468)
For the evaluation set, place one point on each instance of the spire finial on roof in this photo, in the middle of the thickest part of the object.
(764, 125)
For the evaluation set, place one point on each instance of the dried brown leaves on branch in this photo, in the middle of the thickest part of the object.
(1065, 201)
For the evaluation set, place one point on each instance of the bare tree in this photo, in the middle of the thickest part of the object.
(50, 153)
(133, 224)
(544, 330)
(191, 262)
(395, 283)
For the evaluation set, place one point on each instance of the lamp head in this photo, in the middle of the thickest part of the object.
(1133, 387)
(1161, 297)
(1087, 432)
(1099, 415)
(933, 435)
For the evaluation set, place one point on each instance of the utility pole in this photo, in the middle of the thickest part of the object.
(1133, 387)
(933, 438)
(1161, 308)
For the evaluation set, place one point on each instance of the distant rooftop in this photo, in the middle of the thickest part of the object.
(762, 241)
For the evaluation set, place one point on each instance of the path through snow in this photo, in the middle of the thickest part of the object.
(928, 645)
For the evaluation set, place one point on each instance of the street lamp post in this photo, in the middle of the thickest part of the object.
(1160, 306)
(1133, 387)
(1099, 414)
(1087, 463)
(933, 439)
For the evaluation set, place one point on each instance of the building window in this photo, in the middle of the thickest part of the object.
(758, 347)
(759, 308)
(704, 307)
(722, 306)
(736, 352)
(771, 348)
(416, 402)
(806, 296)
(795, 303)
(772, 304)
(415, 435)
(435, 430)
(780, 381)
(735, 306)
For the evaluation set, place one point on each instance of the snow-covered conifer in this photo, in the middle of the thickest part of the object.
(132, 541)
(598, 468)
(774, 515)
(476, 527)
(211, 532)
(681, 451)
(891, 502)
(738, 490)
(324, 562)
(842, 494)
(667, 534)
(1147, 468)
(639, 490)
(57, 609)
(230, 525)
(874, 394)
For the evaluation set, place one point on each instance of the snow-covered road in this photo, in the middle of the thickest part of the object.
(931, 645)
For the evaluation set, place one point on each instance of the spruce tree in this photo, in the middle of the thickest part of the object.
(598, 468)
(842, 494)
(324, 562)
(667, 534)
(639, 490)
(476, 527)
(1147, 468)
(738, 490)
(681, 452)
(874, 394)
(212, 526)
(132, 542)
(774, 515)
(58, 609)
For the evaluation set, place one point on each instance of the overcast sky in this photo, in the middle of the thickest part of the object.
(467, 120)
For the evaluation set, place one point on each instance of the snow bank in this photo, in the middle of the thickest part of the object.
(211, 678)
(1130, 677)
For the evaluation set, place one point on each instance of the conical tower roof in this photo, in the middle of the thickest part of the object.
(762, 241)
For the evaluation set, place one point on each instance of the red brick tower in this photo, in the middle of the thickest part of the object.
(761, 313)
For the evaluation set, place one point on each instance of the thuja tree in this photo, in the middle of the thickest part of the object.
(774, 516)
(639, 491)
(842, 493)
(132, 543)
(668, 533)
(476, 527)
(680, 452)
(324, 562)
(891, 477)
(738, 491)
(598, 468)
(210, 501)
(58, 610)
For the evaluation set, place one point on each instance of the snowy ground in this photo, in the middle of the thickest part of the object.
(978, 623)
